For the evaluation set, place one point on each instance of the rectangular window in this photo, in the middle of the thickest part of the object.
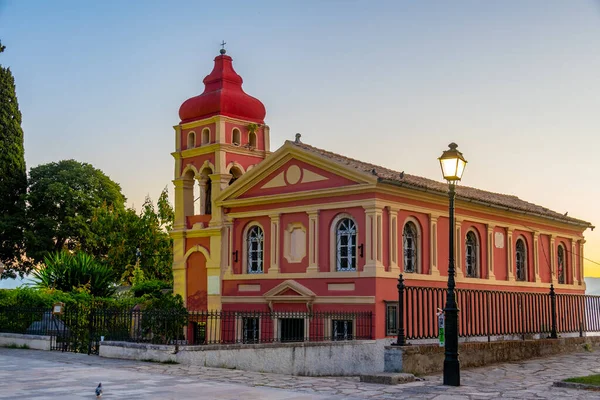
(291, 329)
(341, 329)
(250, 331)
(391, 319)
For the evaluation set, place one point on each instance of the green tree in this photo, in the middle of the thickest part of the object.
(77, 272)
(13, 178)
(62, 199)
(124, 239)
(155, 245)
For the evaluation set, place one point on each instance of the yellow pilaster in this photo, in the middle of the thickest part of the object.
(313, 241)
(393, 238)
(213, 274)
(552, 259)
(177, 129)
(510, 255)
(267, 137)
(218, 183)
(373, 231)
(275, 245)
(180, 283)
(220, 130)
(490, 252)
(574, 262)
(433, 245)
(184, 191)
(581, 260)
(179, 266)
(226, 254)
(536, 256)
(458, 241)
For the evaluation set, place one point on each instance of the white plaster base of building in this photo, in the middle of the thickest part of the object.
(37, 342)
(307, 359)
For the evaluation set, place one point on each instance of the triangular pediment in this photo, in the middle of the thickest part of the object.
(290, 290)
(292, 170)
(296, 176)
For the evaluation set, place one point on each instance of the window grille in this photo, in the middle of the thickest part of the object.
(341, 329)
(391, 319)
(250, 330)
(521, 258)
(410, 247)
(472, 261)
(346, 245)
(255, 250)
(561, 264)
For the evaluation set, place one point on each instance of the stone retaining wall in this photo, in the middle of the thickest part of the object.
(428, 359)
(308, 359)
(36, 342)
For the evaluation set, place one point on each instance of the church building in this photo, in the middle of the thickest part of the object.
(305, 229)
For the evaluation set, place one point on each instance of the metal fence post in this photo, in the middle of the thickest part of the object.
(401, 337)
(553, 334)
(489, 317)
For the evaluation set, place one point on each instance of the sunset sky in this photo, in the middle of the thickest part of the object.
(515, 84)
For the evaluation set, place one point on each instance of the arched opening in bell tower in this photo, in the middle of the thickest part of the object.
(236, 137)
(236, 173)
(191, 140)
(205, 191)
(190, 194)
(252, 140)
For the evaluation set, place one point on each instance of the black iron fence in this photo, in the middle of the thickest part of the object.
(487, 313)
(82, 329)
(213, 327)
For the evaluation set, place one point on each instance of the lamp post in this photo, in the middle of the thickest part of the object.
(453, 165)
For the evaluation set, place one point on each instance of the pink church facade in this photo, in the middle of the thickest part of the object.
(305, 229)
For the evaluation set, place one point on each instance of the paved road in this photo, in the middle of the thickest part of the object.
(30, 374)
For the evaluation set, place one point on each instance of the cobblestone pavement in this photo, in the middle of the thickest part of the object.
(30, 374)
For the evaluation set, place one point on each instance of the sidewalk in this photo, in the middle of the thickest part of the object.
(30, 374)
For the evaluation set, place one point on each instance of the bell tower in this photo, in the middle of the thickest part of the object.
(221, 135)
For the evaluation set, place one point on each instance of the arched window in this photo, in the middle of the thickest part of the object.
(411, 243)
(521, 259)
(346, 245)
(236, 136)
(205, 136)
(472, 255)
(252, 139)
(254, 249)
(561, 264)
(191, 142)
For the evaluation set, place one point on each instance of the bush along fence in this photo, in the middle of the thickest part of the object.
(81, 329)
(487, 313)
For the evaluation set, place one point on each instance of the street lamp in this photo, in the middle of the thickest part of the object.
(453, 165)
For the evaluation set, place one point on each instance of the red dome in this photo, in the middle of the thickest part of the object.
(223, 95)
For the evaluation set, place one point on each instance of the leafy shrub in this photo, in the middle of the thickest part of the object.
(164, 317)
(29, 298)
(151, 288)
(80, 272)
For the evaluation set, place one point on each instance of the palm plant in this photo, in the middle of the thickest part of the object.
(67, 272)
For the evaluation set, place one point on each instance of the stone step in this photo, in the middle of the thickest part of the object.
(388, 378)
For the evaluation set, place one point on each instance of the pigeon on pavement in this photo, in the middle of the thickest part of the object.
(99, 390)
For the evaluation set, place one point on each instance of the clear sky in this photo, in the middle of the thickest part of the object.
(516, 84)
